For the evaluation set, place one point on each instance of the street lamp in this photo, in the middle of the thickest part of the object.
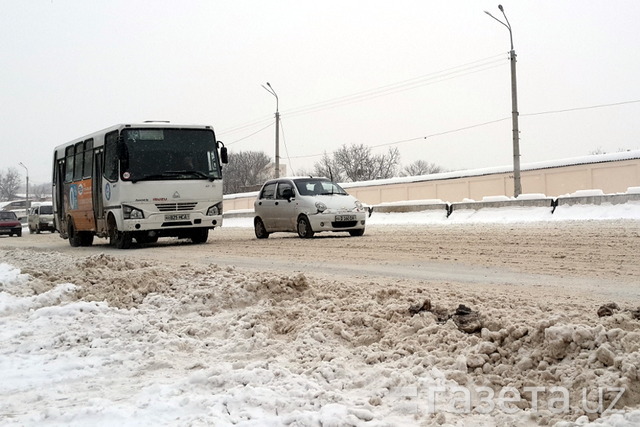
(273, 92)
(517, 186)
(27, 197)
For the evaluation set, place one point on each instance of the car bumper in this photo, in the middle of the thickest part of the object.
(337, 221)
(10, 230)
(172, 221)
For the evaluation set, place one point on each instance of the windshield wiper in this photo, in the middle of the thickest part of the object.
(173, 174)
(199, 174)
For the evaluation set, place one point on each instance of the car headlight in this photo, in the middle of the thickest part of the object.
(215, 210)
(129, 212)
(321, 206)
(358, 204)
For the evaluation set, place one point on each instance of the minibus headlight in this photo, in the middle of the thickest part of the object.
(129, 212)
(215, 210)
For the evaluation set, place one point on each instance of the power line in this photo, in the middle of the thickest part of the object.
(443, 133)
(248, 136)
(392, 89)
(246, 125)
(350, 99)
(422, 137)
(412, 83)
(284, 142)
(485, 124)
(581, 108)
(404, 85)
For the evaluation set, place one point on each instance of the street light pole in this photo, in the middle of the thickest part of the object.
(27, 196)
(517, 186)
(273, 92)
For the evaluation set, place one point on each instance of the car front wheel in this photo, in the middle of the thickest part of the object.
(117, 238)
(259, 228)
(356, 233)
(200, 235)
(304, 228)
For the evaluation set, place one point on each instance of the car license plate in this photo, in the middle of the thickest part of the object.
(343, 218)
(176, 217)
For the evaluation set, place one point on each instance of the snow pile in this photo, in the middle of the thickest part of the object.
(105, 341)
(514, 214)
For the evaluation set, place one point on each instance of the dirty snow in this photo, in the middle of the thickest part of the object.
(102, 340)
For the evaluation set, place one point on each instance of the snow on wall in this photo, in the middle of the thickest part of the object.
(596, 158)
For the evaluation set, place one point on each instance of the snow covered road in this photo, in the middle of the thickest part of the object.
(320, 332)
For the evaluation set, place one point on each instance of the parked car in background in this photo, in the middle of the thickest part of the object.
(9, 224)
(307, 206)
(41, 218)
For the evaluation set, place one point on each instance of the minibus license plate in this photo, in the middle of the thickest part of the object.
(342, 218)
(176, 217)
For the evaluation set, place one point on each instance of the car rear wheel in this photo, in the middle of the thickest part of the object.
(260, 230)
(74, 237)
(304, 228)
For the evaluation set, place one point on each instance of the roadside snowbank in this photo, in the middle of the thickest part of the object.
(104, 341)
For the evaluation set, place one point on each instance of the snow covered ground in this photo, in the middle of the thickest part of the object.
(629, 210)
(131, 343)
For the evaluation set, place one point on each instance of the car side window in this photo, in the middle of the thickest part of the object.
(268, 192)
(282, 186)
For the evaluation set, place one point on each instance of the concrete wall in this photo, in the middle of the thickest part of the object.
(610, 176)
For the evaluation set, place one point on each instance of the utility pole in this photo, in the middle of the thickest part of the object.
(273, 92)
(517, 186)
(27, 196)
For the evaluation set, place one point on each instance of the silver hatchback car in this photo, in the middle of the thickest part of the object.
(307, 206)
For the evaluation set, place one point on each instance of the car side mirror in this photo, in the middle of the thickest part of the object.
(288, 194)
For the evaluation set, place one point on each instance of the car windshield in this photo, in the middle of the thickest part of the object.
(8, 215)
(318, 187)
(46, 210)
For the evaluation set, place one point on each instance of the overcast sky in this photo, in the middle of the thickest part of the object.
(346, 72)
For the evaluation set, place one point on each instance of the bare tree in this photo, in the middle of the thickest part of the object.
(357, 163)
(9, 184)
(421, 167)
(328, 167)
(41, 191)
(245, 171)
